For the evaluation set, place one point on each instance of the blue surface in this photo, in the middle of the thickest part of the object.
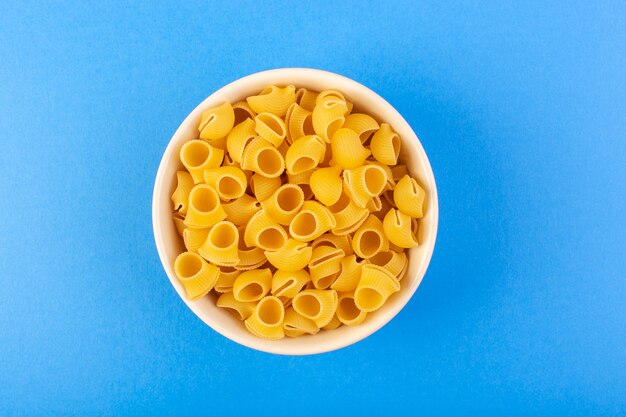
(520, 107)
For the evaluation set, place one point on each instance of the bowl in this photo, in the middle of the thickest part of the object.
(169, 244)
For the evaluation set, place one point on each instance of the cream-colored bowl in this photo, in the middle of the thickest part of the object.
(169, 243)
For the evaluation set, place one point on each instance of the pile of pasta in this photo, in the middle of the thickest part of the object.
(295, 211)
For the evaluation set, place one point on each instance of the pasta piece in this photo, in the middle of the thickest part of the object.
(264, 232)
(327, 185)
(409, 197)
(348, 216)
(221, 246)
(384, 209)
(325, 266)
(311, 222)
(273, 99)
(392, 261)
(251, 286)
(225, 281)
(263, 158)
(300, 178)
(398, 171)
(397, 227)
(363, 183)
(197, 155)
(180, 196)
(349, 276)
(271, 128)
(375, 287)
(249, 257)
(334, 241)
(306, 189)
(296, 324)
(385, 145)
(194, 238)
(370, 238)
(195, 274)
(333, 324)
(179, 222)
(284, 204)
(264, 187)
(391, 183)
(238, 138)
(266, 321)
(242, 112)
(305, 154)
(217, 143)
(347, 311)
(363, 124)
(293, 256)
(328, 157)
(348, 152)
(374, 204)
(239, 309)
(306, 98)
(328, 117)
(334, 95)
(217, 121)
(204, 207)
(388, 196)
(316, 305)
(283, 148)
(288, 284)
(230, 182)
(299, 123)
(241, 210)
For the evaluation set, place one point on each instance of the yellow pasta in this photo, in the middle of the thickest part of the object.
(374, 204)
(325, 266)
(299, 123)
(179, 222)
(238, 138)
(249, 257)
(288, 284)
(263, 187)
(263, 158)
(384, 209)
(340, 242)
(391, 183)
(328, 116)
(242, 112)
(180, 196)
(333, 95)
(296, 324)
(327, 185)
(348, 216)
(284, 204)
(363, 183)
(273, 99)
(195, 238)
(204, 208)
(311, 222)
(241, 210)
(348, 152)
(349, 276)
(195, 274)
(271, 128)
(316, 305)
(392, 261)
(370, 238)
(300, 178)
(292, 256)
(217, 143)
(399, 171)
(221, 245)
(225, 281)
(347, 311)
(333, 324)
(306, 98)
(266, 321)
(409, 197)
(305, 154)
(397, 226)
(283, 148)
(197, 155)
(216, 122)
(264, 232)
(363, 124)
(385, 145)
(252, 285)
(375, 287)
(230, 182)
(241, 310)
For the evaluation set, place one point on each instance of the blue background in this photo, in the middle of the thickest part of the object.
(520, 107)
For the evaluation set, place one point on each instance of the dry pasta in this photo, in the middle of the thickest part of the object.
(216, 122)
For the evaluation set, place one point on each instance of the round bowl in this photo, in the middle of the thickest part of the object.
(169, 244)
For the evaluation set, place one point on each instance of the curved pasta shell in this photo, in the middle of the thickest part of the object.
(217, 143)
(348, 152)
(370, 238)
(241, 210)
(288, 284)
(293, 256)
(349, 276)
(180, 196)
(375, 287)
(311, 222)
(273, 99)
(384, 209)
(283, 148)
(204, 208)
(251, 286)
(385, 145)
(397, 227)
(316, 305)
(325, 265)
(299, 123)
(347, 311)
(267, 319)
(194, 238)
(333, 95)
(264, 232)
(249, 257)
(239, 309)
(392, 261)
(230, 182)
(391, 183)
(242, 112)
(284, 204)
(238, 138)
(398, 171)
(340, 242)
(327, 185)
(363, 124)
(221, 245)
(195, 274)
(197, 155)
(348, 216)
(225, 281)
(296, 324)
(271, 128)
(333, 324)
(363, 183)
(328, 116)
(374, 205)
(300, 178)
(263, 158)
(305, 154)
(179, 222)
(409, 197)
(264, 187)
(216, 122)
(306, 98)
(306, 189)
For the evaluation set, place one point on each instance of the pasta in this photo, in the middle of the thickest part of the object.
(295, 212)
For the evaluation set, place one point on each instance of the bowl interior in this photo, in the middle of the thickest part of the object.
(169, 243)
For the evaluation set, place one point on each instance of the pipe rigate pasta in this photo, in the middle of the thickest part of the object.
(305, 154)
(204, 208)
(327, 185)
(194, 238)
(334, 241)
(266, 321)
(347, 311)
(348, 152)
(409, 197)
(226, 279)
(271, 128)
(273, 99)
(363, 124)
(216, 122)
(349, 276)
(296, 324)
(197, 155)
(288, 284)
(299, 123)
(238, 138)
(370, 238)
(196, 275)
(332, 324)
(221, 247)
(398, 229)
(242, 112)
(311, 222)
(241, 210)
(252, 285)
(264, 232)
(180, 196)
(328, 117)
(363, 183)
(306, 98)
(375, 287)
(240, 309)
(179, 223)
(325, 266)
(230, 182)
(385, 145)
(348, 216)
(292, 256)
(263, 158)
(392, 261)
(316, 305)
(284, 203)
(263, 187)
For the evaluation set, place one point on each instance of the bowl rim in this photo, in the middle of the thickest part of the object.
(276, 347)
